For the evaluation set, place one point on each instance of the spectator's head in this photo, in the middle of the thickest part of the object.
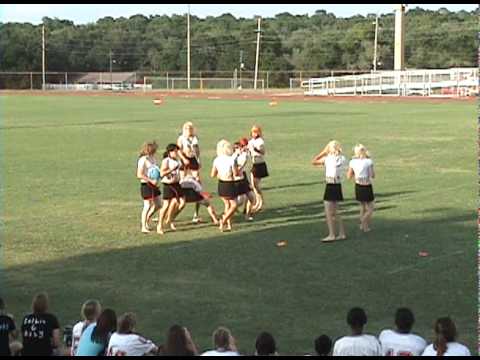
(91, 310)
(404, 319)
(265, 345)
(445, 332)
(127, 323)
(323, 345)
(106, 324)
(40, 303)
(222, 338)
(177, 342)
(357, 319)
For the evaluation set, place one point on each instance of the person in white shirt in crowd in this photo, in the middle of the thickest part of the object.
(173, 197)
(125, 342)
(358, 343)
(245, 193)
(361, 169)
(401, 341)
(91, 310)
(224, 344)
(225, 170)
(331, 157)
(259, 171)
(445, 343)
(148, 187)
(189, 153)
(265, 345)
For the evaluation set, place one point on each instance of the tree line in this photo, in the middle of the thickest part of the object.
(434, 39)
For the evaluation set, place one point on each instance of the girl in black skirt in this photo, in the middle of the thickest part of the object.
(361, 168)
(194, 194)
(148, 187)
(256, 146)
(333, 160)
(173, 198)
(244, 190)
(224, 169)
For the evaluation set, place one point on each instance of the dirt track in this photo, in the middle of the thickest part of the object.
(244, 95)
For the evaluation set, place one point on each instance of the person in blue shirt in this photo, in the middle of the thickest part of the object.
(95, 337)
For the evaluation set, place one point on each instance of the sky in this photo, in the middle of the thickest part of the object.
(86, 13)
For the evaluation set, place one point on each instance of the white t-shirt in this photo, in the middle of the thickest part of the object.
(453, 349)
(241, 160)
(224, 165)
(172, 164)
(397, 344)
(144, 163)
(259, 144)
(188, 145)
(363, 345)
(129, 345)
(362, 170)
(334, 168)
(76, 335)
(220, 353)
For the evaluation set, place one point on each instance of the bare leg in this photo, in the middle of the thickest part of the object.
(250, 205)
(330, 218)
(147, 204)
(368, 216)
(362, 214)
(341, 228)
(176, 211)
(226, 204)
(162, 214)
(229, 214)
(258, 193)
(211, 211)
(157, 203)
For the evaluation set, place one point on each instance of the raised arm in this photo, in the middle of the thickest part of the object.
(214, 172)
(372, 172)
(350, 173)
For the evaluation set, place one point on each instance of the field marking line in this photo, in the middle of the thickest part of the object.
(410, 267)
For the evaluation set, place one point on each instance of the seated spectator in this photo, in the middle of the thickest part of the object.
(323, 345)
(90, 312)
(445, 343)
(125, 342)
(265, 345)
(401, 341)
(357, 344)
(40, 330)
(7, 330)
(224, 344)
(95, 337)
(179, 343)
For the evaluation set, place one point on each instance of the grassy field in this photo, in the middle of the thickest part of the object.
(71, 208)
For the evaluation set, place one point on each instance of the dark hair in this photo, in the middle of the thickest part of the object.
(404, 319)
(126, 323)
(170, 147)
(177, 343)
(265, 344)
(445, 331)
(323, 345)
(106, 324)
(357, 318)
(40, 303)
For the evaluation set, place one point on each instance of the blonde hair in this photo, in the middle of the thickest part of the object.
(149, 148)
(361, 151)
(224, 148)
(334, 147)
(257, 129)
(186, 126)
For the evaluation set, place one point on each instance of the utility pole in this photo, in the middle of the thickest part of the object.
(399, 61)
(111, 73)
(188, 47)
(43, 57)
(241, 67)
(258, 51)
(375, 45)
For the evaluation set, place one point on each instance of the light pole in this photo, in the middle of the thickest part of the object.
(375, 45)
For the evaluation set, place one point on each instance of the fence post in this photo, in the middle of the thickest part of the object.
(66, 81)
(31, 80)
(167, 82)
(268, 76)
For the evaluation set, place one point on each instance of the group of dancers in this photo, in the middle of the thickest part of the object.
(179, 175)
(360, 168)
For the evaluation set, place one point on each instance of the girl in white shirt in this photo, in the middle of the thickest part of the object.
(190, 155)
(256, 146)
(245, 192)
(361, 168)
(148, 187)
(445, 342)
(331, 157)
(173, 197)
(224, 169)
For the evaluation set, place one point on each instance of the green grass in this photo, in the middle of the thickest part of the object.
(72, 206)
